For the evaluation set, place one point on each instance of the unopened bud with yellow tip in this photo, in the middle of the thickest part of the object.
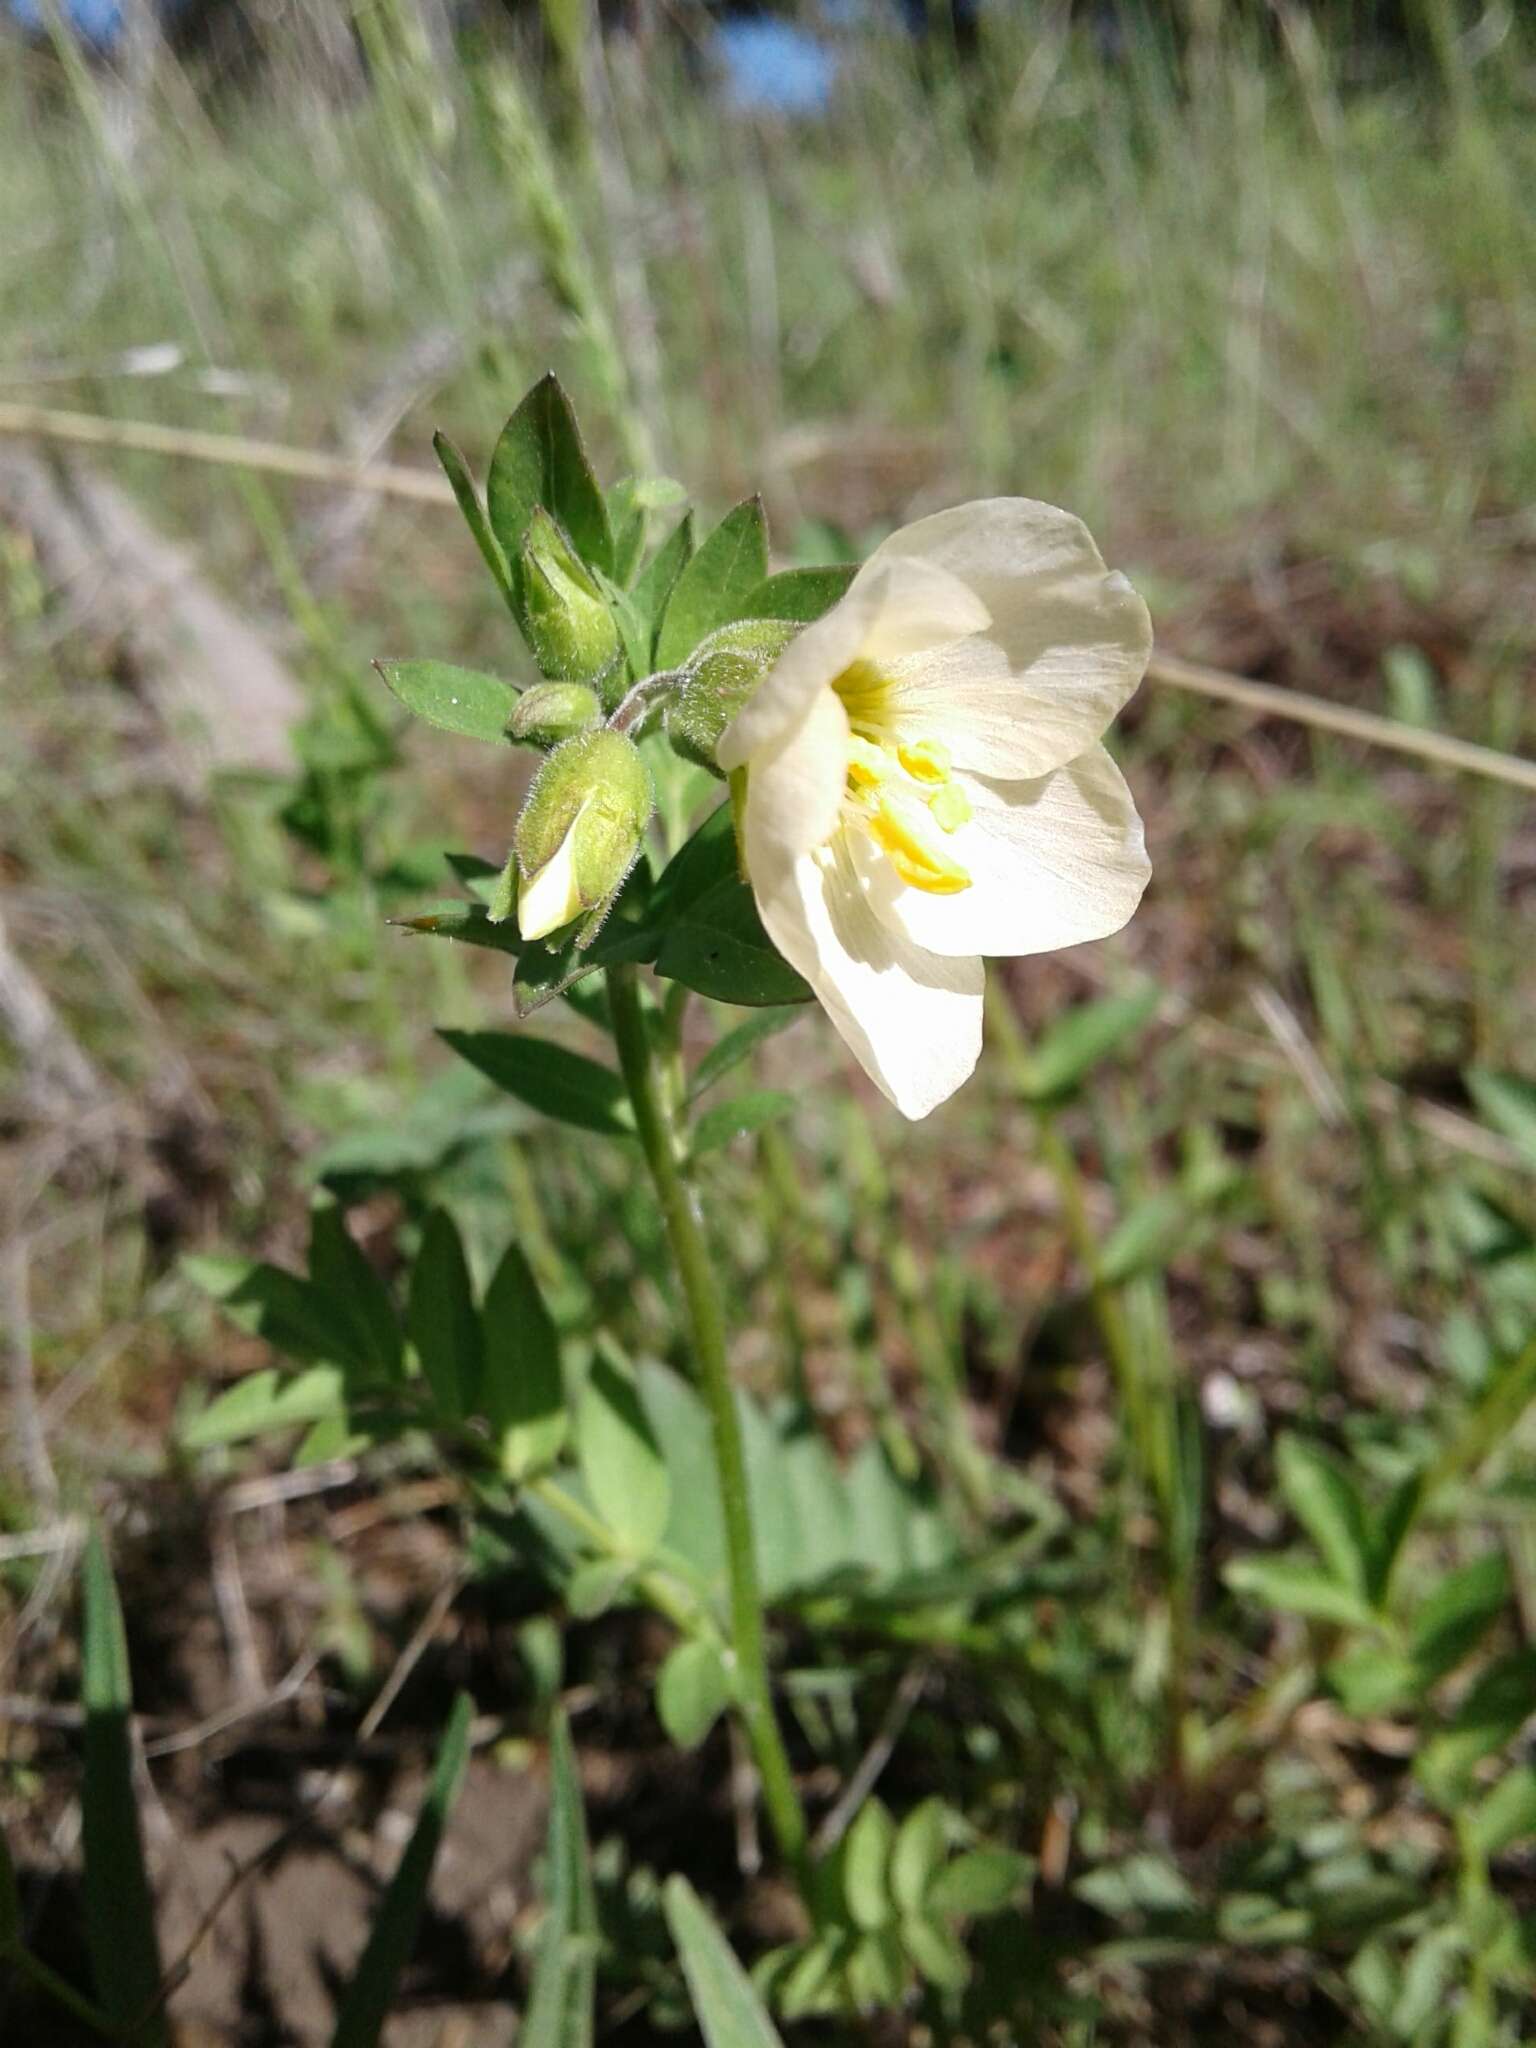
(716, 681)
(580, 830)
(548, 713)
(569, 627)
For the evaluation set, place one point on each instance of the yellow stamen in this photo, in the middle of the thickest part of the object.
(867, 763)
(925, 760)
(950, 807)
(906, 834)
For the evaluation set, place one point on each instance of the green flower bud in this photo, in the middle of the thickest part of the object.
(552, 712)
(716, 681)
(580, 829)
(570, 629)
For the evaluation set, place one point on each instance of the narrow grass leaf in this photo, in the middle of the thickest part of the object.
(1072, 1047)
(548, 1077)
(738, 1117)
(728, 2008)
(740, 1044)
(560, 1999)
(466, 701)
(730, 564)
(371, 1992)
(119, 1910)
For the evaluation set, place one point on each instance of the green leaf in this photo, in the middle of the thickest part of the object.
(1076, 1043)
(626, 522)
(119, 1910)
(1508, 1101)
(867, 1866)
(1456, 1614)
(1505, 1815)
(728, 2008)
(1492, 1714)
(877, 1972)
(560, 1998)
(620, 1459)
(1371, 1680)
(261, 1403)
(730, 564)
(338, 1267)
(935, 1952)
(740, 1044)
(708, 856)
(1325, 1500)
(1145, 1238)
(470, 923)
(979, 1882)
(921, 1843)
(597, 1585)
(800, 595)
(718, 948)
(524, 1392)
(540, 460)
(457, 471)
(693, 1690)
(548, 1077)
(1295, 1585)
(461, 700)
(441, 1319)
(650, 594)
(736, 1118)
(371, 1993)
(1389, 1529)
(284, 1310)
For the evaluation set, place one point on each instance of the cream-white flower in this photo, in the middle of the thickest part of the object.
(924, 783)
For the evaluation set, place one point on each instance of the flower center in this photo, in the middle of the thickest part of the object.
(900, 792)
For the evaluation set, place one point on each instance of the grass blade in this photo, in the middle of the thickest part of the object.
(119, 1910)
(559, 2013)
(728, 2008)
(372, 1990)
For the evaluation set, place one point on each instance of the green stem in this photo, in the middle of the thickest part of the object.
(706, 1316)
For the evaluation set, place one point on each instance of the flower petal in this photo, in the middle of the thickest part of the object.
(805, 668)
(1067, 645)
(912, 1021)
(919, 605)
(795, 789)
(1053, 862)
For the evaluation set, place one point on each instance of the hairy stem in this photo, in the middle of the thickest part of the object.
(706, 1317)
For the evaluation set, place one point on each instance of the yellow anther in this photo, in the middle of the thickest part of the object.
(867, 763)
(950, 807)
(906, 833)
(925, 760)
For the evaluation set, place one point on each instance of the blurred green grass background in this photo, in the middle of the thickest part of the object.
(1250, 290)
